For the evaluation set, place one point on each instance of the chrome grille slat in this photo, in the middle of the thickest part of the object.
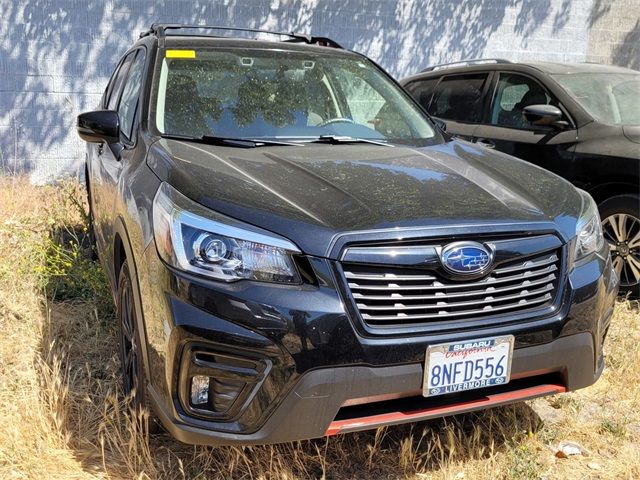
(445, 316)
(387, 276)
(530, 264)
(485, 291)
(489, 281)
(443, 304)
(390, 296)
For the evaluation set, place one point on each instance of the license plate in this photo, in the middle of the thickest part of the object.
(460, 366)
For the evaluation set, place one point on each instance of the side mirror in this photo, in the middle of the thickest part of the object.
(542, 115)
(99, 126)
(442, 125)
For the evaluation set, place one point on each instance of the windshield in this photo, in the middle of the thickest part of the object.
(276, 94)
(612, 98)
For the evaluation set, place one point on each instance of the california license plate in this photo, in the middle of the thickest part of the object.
(460, 366)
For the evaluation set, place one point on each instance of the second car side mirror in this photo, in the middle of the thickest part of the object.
(542, 115)
(99, 126)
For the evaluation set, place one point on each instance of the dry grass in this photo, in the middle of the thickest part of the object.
(60, 416)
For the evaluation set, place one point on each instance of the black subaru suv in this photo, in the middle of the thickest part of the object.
(295, 250)
(580, 121)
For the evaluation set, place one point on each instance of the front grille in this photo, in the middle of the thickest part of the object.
(392, 297)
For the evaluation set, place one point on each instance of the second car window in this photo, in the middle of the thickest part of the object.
(422, 91)
(459, 98)
(513, 93)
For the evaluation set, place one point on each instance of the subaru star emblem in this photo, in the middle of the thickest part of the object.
(466, 258)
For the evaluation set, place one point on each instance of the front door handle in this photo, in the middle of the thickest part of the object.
(100, 148)
(485, 142)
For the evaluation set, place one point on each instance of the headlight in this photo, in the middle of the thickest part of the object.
(194, 239)
(589, 237)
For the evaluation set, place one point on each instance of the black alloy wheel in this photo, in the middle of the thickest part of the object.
(131, 362)
(621, 227)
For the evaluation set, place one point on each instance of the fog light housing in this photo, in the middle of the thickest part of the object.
(218, 385)
(199, 390)
(214, 395)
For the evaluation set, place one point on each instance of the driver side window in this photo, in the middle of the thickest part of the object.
(113, 91)
(513, 93)
(368, 107)
(129, 100)
(322, 102)
(363, 100)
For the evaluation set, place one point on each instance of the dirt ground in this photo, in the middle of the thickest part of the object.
(61, 413)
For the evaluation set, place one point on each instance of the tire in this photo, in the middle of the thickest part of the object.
(134, 385)
(621, 226)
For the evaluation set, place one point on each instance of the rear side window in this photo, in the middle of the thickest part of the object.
(459, 98)
(129, 100)
(422, 91)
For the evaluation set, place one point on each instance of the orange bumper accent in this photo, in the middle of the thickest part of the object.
(492, 400)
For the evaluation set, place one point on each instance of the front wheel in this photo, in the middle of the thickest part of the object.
(621, 226)
(133, 378)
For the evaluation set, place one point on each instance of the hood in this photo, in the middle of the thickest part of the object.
(312, 193)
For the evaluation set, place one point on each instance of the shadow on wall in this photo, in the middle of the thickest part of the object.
(56, 55)
(599, 10)
(628, 52)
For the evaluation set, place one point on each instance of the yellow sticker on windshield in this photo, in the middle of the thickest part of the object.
(180, 54)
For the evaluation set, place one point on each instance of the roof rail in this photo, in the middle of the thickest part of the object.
(160, 31)
(463, 63)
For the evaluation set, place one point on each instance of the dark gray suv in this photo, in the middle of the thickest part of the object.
(296, 250)
(578, 120)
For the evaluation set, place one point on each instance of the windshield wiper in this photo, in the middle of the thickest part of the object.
(231, 141)
(338, 139)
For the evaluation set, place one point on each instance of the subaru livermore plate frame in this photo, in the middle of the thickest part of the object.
(467, 365)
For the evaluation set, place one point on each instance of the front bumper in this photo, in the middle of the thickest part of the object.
(314, 408)
(319, 374)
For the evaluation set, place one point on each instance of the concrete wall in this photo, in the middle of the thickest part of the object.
(615, 33)
(56, 55)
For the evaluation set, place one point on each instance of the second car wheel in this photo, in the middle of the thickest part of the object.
(621, 225)
(131, 362)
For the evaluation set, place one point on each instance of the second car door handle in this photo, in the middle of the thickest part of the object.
(486, 143)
